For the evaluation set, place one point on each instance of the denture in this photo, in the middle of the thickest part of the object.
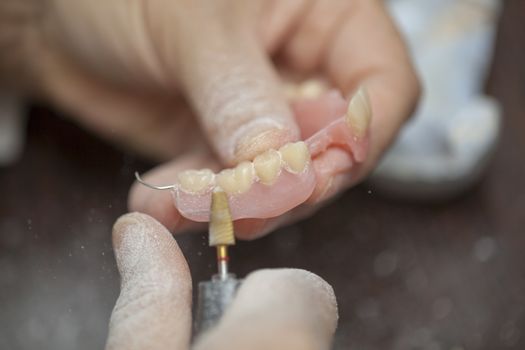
(276, 180)
(279, 180)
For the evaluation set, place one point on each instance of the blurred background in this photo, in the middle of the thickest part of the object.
(408, 275)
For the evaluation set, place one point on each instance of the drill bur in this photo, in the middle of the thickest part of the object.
(221, 233)
(221, 225)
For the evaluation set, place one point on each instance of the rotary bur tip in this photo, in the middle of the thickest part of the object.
(221, 233)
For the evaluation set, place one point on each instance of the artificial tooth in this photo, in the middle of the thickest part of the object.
(359, 112)
(237, 180)
(244, 174)
(267, 166)
(295, 156)
(226, 180)
(196, 180)
(312, 88)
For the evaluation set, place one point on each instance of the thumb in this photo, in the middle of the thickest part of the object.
(276, 309)
(153, 310)
(235, 90)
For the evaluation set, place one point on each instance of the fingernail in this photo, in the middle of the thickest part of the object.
(359, 112)
(259, 136)
(121, 227)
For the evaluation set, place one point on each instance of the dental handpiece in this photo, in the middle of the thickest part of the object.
(214, 298)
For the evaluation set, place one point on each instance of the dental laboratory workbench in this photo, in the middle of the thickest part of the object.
(442, 276)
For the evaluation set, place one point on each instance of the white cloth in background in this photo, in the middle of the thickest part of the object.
(446, 146)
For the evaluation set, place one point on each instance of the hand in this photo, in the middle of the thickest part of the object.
(273, 309)
(195, 80)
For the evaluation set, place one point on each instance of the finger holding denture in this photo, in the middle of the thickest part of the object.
(277, 181)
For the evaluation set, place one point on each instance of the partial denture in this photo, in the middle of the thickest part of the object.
(271, 173)
(278, 180)
(294, 157)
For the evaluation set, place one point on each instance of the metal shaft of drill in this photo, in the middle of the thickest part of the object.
(222, 261)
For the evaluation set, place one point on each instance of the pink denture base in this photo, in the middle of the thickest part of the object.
(323, 123)
(260, 201)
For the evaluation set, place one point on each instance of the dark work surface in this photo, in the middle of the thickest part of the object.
(407, 276)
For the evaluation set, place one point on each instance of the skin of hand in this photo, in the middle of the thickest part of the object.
(273, 309)
(200, 81)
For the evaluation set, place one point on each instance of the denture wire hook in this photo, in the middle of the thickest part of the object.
(162, 188)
